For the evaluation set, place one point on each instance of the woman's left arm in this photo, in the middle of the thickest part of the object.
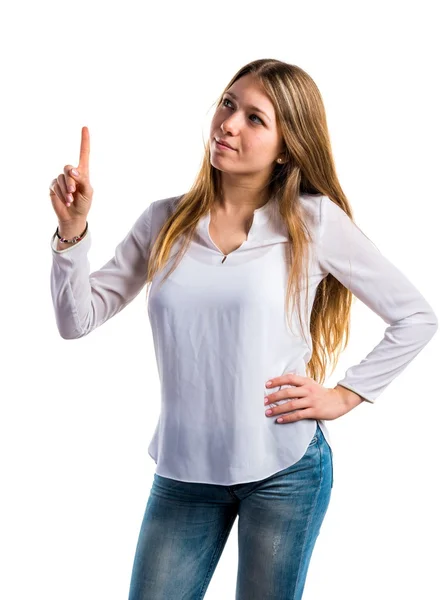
(354, 260)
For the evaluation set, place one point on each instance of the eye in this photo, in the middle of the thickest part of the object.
(259, 119)
(226, 100)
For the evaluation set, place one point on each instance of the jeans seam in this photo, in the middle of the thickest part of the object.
(315, 503)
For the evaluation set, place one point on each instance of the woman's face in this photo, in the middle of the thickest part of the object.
(253, 135)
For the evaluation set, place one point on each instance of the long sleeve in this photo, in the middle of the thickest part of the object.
(84, 301)
(353, 259)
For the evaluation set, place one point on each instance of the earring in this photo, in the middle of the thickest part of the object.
(279, 160)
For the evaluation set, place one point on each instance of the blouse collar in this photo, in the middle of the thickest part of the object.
(267, 228)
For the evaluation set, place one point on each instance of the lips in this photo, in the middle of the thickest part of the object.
(223, 143)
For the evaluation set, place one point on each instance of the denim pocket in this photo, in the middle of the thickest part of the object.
(317, 435)
(314, 439)
(328, 449)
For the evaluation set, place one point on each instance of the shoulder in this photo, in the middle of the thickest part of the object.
(159, 211)
(311, 205)
(321, 208)
(325, 215)
(150, 221)
(163, 208)
(327, 220)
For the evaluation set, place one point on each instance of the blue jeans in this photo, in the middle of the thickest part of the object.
(186, 525)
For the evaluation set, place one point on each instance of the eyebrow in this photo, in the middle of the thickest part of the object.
(252, 107)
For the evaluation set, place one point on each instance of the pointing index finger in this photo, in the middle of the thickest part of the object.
(84, 151)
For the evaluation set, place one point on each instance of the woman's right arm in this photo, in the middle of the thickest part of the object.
(83, 300)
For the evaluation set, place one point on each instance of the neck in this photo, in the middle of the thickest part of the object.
(240, 197)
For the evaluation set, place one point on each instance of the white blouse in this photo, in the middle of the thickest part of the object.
(219, 332)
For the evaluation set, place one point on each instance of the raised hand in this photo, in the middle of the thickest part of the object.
(71, 192)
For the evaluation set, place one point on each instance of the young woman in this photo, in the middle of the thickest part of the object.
(251, 278)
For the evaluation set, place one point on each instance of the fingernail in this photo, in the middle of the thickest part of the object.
(269, 383)
(74, 171)
(71, 188)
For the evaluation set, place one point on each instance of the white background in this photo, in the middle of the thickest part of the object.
(77, 416)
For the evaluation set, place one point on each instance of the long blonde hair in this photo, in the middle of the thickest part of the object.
(309, 169)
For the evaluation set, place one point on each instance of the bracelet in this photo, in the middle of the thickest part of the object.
(74, 239)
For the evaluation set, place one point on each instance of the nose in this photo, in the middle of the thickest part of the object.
(230, 125)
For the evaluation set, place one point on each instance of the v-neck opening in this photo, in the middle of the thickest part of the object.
(217, 247)
(259, 216)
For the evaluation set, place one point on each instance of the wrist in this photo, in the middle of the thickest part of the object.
(70, 229)
(350, 399)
